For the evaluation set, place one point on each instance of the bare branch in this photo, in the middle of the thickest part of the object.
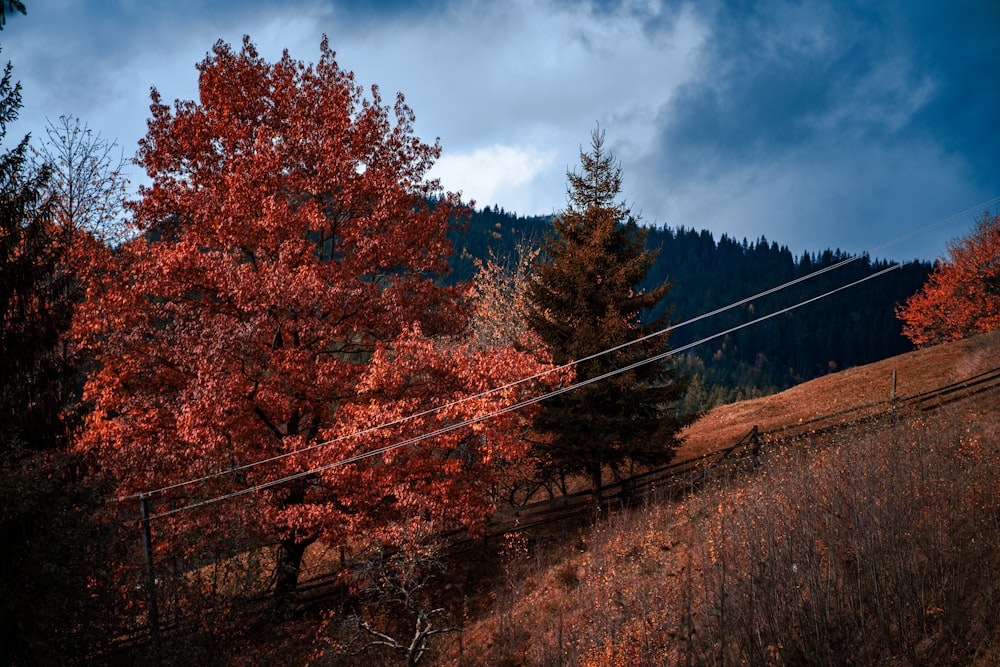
(88, 186)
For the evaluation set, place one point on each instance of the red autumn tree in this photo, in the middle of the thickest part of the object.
(962, 294)
(284, 297)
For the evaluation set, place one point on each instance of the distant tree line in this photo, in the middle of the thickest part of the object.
(850, 328)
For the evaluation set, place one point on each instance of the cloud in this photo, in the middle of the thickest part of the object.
(478, 74)
(494, 174)
(831, 123)
(788, 118)
(517, 71)
(831, 196)
(535, 75)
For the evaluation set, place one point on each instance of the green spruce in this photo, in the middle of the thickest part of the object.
(585, 299)
(54, 597)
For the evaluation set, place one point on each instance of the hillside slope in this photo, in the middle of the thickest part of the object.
(875, 543)
(872, 542)
(862, 388)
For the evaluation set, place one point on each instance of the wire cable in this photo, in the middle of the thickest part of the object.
(516, 406)
(571, 364)
(509, 385)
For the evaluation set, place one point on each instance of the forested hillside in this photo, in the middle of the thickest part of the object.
(853, 327)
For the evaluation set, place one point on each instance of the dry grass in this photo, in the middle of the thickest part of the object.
(855, 388)
(877, 545)
(878, 548)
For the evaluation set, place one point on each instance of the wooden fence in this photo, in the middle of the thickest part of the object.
(685, 475)
(672, 479)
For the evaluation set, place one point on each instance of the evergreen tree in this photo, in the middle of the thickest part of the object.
(48, 591)
(584, 299)
(10, 7)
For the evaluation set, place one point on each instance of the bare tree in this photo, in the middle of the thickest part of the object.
(87, 184)
(402, 585)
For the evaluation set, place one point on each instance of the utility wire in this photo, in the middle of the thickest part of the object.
(509, 385)
(516, 406)
(429, 411)
(940, 223)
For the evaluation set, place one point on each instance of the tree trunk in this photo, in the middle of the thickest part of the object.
(288, 566)
(596, 491)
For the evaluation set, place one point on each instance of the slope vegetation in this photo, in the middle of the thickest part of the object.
(874, 540)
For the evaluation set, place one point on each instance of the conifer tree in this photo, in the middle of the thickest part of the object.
(584, 299)
(50, 598)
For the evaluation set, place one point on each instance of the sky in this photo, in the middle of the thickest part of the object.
(860, 126)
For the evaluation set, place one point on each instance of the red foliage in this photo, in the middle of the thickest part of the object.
(962, 295)
(284, 295)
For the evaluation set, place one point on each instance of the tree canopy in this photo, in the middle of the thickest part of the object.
(962, 294)
(285, 296)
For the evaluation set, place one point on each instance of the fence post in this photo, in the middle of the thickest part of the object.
(755, 445)
(152, 611)
(892, 392)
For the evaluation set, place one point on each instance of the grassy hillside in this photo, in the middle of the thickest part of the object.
(873, 544)
(857, 389)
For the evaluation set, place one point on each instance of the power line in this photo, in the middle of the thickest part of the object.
(509, 385)
(940, 223)
(516, 406)
(566, 366)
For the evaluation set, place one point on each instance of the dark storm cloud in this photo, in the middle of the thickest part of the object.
(958, 46)
(749, 113)
(379, 10)
(835, 103)
(818, 123)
